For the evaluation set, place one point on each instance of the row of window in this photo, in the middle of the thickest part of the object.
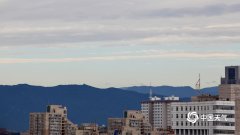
(186, 123)
(191, 108)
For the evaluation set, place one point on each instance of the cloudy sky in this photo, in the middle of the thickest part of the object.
(118, 42)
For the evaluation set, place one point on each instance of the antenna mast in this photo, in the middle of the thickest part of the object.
(198, 84)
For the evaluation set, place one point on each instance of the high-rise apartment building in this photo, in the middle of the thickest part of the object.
(157, 111)
(52, 122)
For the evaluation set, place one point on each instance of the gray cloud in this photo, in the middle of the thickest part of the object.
(132, 22)
(208, 10)
(75, 10)
(60, 31)
(192, 55)
(98, 34)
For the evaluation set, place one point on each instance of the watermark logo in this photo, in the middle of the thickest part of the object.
(192, 117)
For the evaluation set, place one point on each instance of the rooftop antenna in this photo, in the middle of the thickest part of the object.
(198, 84)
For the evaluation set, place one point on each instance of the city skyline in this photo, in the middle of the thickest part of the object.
(117, 43)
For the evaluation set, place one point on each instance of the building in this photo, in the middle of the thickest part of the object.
(157, 112)
(230, 85)
(91, 129)
(133, 123)
(203, 126)
(24, 133)
(52, 122)
(4, 131)
(201, 115)
(226, 104)
(204, 97)
(230, 90)
(115, 126)
(208, 105)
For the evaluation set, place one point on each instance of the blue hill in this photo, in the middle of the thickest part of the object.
(85, 103)
(185, 91)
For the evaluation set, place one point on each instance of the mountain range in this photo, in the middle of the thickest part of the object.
(184, 91)
(85, 103)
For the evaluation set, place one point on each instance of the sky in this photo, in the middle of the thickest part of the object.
(118, 43)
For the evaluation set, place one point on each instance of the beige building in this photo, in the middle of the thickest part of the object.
(230, 85)
(91, 129)
(204, 97)
(87, 129)
(133, 123)
(230, 90)
(52, 122)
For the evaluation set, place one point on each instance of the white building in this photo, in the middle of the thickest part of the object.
(203, 126)
(157, 111)
(171, 114)
(168, 113)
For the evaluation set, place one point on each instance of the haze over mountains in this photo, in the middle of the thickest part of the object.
(85, 103)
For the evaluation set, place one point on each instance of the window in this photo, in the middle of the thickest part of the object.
(231, 74)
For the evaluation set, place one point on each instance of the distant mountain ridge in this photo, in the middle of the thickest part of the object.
(85, 103)
(184, 91)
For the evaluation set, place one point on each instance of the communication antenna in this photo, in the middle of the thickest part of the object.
(198, 84)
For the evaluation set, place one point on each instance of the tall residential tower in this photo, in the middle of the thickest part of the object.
(52, 122)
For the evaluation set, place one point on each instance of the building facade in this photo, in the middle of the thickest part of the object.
(158, 112)
(133, 123)
(200, 116)
(52, 122)
(206, 124)
(91, 129)
(230, 85)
